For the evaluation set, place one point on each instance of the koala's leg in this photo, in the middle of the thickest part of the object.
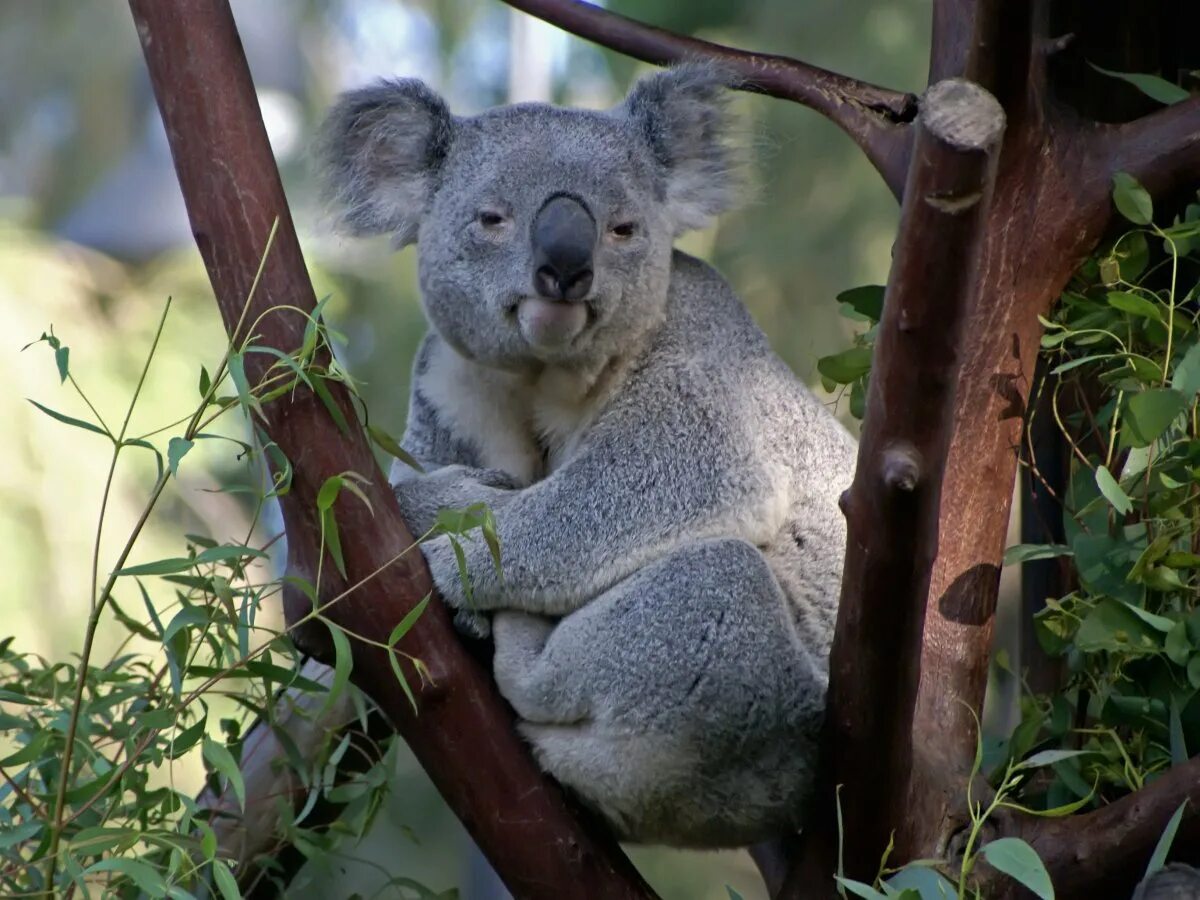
(681, 703)
(520, 666)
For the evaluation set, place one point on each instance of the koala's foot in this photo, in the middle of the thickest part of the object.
(473, 624)
(680, 704)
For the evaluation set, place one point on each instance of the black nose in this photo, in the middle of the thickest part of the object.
(564, 236)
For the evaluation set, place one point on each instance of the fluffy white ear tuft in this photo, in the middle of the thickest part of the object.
(379, 150)
(682, 113)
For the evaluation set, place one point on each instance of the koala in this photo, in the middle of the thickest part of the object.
(664, 489)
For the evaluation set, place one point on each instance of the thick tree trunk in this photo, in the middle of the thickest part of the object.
(892, 507)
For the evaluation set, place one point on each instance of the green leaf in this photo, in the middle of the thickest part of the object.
(10, 837)
(1177, 645)
(858, 889)
(1021, 553)
(733, 895)
(390, 446)
(322, 390)
(70, 420)
(846, 367)
(1154, 87)
(1158, 858)
(1112, 491)
(399, 673)
(205, 384)
(144, 875)
(222, 553)
(194, 616)
(62, 357)
(858, 398)
(177, 449)
(329, 491)
(237, 371)
(1154, 620)
(225, 881)
(219, 757)
(1019, 861)
(1049, 758)
(1186, 378)
(866, 300)
(343, 665)
(182, 742)
(1112, 626)
(926, 882)
(410, 619)
(333, 539)
(1135, 305)
(1150, 413)
(1104, 564)
(1131, 199)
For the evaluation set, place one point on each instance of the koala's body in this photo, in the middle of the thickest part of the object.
(665, 490)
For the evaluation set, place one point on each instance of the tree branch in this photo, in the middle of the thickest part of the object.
(892, 507)
(875, 118)
(1110, 846)
(1161, 150)
(464, 736)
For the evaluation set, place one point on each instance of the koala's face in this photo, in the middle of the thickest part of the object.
(544, 234)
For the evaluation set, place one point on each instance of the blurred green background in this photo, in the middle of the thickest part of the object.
(93, 239)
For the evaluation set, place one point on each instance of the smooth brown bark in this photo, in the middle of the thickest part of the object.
(892, 506)
(463, 735)
(1052, 205)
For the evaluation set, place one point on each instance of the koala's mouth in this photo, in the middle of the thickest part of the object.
(552, 324)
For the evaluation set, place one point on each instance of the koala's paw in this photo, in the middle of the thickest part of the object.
(473, 624)
(494, 478)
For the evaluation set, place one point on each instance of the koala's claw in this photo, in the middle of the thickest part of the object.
(473, 624)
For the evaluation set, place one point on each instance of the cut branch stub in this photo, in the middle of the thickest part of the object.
(875, 118)
(464, 735)
(895, 497)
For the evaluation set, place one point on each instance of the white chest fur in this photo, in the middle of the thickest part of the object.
(525, 425)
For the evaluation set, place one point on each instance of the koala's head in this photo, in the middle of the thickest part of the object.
(543, 234)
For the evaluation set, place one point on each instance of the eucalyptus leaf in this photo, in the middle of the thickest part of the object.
(222, 761)
(846, 367)
(1134, 304)
(1132, 200)
(1112, 491)
(1150, 413)
(1153, 86)
(1019, 861)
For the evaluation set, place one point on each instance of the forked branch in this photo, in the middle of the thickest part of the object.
(893, 505)
(875, 118)
(1109, 846)
(1161, 150)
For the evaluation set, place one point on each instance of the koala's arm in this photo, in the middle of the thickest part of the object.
(450, 475)
(631, 495)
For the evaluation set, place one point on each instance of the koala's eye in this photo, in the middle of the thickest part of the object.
(490, 218)
(623, 230)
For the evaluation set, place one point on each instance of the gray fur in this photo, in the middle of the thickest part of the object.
(665, 490)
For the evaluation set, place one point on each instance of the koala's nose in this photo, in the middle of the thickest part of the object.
(564, 237)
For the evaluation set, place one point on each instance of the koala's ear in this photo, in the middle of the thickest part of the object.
(682, 113)
(380, 150)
